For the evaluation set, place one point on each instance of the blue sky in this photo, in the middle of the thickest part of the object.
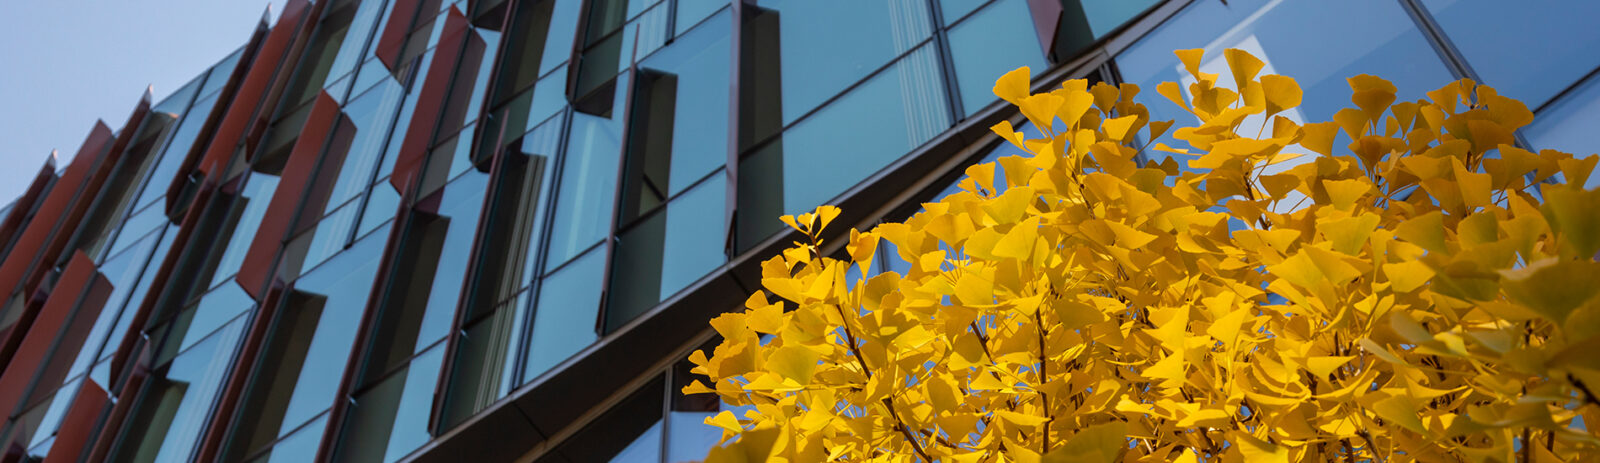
(66, 63)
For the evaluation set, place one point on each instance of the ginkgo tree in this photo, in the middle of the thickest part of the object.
(1426, 292)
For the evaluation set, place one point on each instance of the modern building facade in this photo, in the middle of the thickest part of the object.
(491, 230)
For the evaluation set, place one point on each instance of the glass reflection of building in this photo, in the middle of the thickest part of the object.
(423, 230)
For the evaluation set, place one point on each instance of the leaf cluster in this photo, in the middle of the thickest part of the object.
(1424, 292)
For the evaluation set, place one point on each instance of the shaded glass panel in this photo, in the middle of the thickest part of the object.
(390, 419)
(1106, 15)
(588, 181)
(221, 73)
(138, 225)
(298, 447)
(1319, 44)
(564, 319)
(850, 139)
(666, 251)
(176, 403)
(304, 358)
(853, 45)
(351, 47)
(244, 219)
(367, 128)
(515, 229)
(1526, 50)
(429, 273)
(484, 368)
(989, 44)
(178, 147)
(1568, 125)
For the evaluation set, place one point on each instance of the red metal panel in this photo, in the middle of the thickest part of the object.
(80, 423)
(1046, 18)
(15, 220)
(248, 99)
(81, 285)
(297, 173)
(57, 205)
(395, 31)
(176, 184)
(430, 103)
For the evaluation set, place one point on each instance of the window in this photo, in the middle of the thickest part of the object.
(1320, 44)
(564, 320)
(390, 419)
(176, 402)
(842, 144)
(1526, 50)
(515, 230)
(588, 182)
(484, 368)
(303, 360)
(989, 44)
(667, 250)
(1568, 124)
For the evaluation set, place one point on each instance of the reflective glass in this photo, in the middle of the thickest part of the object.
(1526, 50)
(370, 117)
(683, 96)
(249, 208)
(534, 106)
(954, 10)
(989, 44)
(485, 364)
(646, 447)
(850, 139)
(564, 319)
(125, 317)
(429, 274)
(317, 58)
(304, 358)
(854, 44)
(138, 225)
(692, 12)
(178, 147)
(1319, 44)
(563, 28)
(523, 58)
(382, 204)
(179, 100)
(519, 203)
(221, 73)
(588, 182)
(1106, 15)
(298, 447)
(666, 251)
(390, 420)
(353, 44)
(1568, 124)
(328, 238)
(124, 272)
(177, 401)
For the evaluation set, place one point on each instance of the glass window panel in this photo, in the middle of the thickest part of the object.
(680, 115)
(484, 368)
(354, 43)
(431, 265)
(480, 76)
(954, 10)
(665, 252)
(854, 137)
(564, 319)
(372, 72)
(304, 358)
(1568, 124)
(692, 12)
(179, 100)
(563, 29)
(178, 147)
(588, 181)
(1319, 44)
(515, 228)
(125, 317)
(646, 447)
(615, 51)
(390, 420)
(328, 238)
(522, 61)
(1526, 50)
(249, 208)
(221, 73)
(370, 117)
(854, 44)
(381, 206)
(1106, 15)
(125, 272)
(298, 447)
(989, 44)
(448, 160)
(402, 123)
(535, 106)
(137, 226)
(316, 61)
(177, 401)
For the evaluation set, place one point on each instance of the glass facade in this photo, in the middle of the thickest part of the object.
(445, 220)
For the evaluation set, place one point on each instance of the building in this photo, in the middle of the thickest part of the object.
(492, 230)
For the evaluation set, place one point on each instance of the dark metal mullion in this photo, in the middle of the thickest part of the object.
(837, 96)
(941, 36)
(730, 201)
